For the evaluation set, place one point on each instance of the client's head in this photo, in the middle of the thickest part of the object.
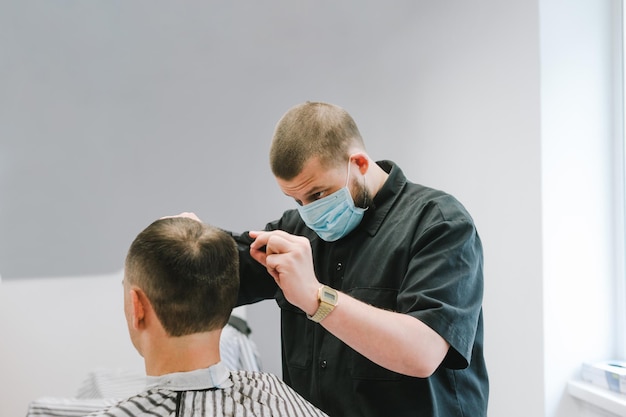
(189, 273)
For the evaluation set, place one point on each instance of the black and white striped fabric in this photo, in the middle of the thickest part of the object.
(67, 407)
(238, 351)
(215, 392)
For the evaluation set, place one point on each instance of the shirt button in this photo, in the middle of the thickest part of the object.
(339, 266)
(323, 364)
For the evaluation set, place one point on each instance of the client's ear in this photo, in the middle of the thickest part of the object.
(138, 302)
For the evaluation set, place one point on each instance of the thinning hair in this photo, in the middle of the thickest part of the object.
(312, 129)
(189, 271)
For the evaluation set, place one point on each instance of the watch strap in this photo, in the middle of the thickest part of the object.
(325, 307)
(322, 311)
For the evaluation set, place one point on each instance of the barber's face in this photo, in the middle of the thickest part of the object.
(316, 181)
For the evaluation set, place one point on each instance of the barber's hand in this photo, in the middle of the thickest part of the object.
(288, 258)
(184, 214)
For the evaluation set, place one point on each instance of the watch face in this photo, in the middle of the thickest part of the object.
(329, 296)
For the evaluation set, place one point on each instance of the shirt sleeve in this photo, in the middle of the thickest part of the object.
(255, 283)
(443, 286)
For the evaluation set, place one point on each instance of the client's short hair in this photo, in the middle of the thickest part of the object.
(188, 270)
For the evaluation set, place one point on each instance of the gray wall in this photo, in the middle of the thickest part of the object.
(115, 113)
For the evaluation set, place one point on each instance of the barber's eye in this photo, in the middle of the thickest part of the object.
(318, 195)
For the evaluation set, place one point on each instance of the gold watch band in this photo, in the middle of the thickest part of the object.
(328, 298)
(322, 311)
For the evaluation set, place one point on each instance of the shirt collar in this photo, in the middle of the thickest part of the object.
(216, 376)
(385, 197)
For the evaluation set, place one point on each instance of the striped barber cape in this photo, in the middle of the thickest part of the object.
(214, 392)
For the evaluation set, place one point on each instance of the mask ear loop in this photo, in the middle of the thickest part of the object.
(348, 178)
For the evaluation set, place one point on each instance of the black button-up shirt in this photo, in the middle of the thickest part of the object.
(416, 252)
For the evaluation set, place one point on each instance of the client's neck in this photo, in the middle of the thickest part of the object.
(182, 354)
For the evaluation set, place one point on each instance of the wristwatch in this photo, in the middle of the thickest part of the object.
(328, 300)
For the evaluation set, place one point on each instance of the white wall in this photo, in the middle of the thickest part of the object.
(55, 331)
(478, 136)
(472, 97)
(582, 222)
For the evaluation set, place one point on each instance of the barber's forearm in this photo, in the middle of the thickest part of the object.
(395, 341)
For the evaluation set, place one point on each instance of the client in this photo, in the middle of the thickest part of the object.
(181, 279)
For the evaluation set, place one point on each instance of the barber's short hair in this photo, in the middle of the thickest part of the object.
(311, 130)
(189, 271)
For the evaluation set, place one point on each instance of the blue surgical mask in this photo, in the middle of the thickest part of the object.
(333, 216)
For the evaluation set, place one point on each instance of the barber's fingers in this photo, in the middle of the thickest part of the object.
(282, 258)
(279, 244)
(260, 251)
(281, 240)
(258, 254)
(260, 238)
(267, 245)
(258, 248)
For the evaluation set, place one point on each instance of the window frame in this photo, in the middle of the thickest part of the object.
(619, 80)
